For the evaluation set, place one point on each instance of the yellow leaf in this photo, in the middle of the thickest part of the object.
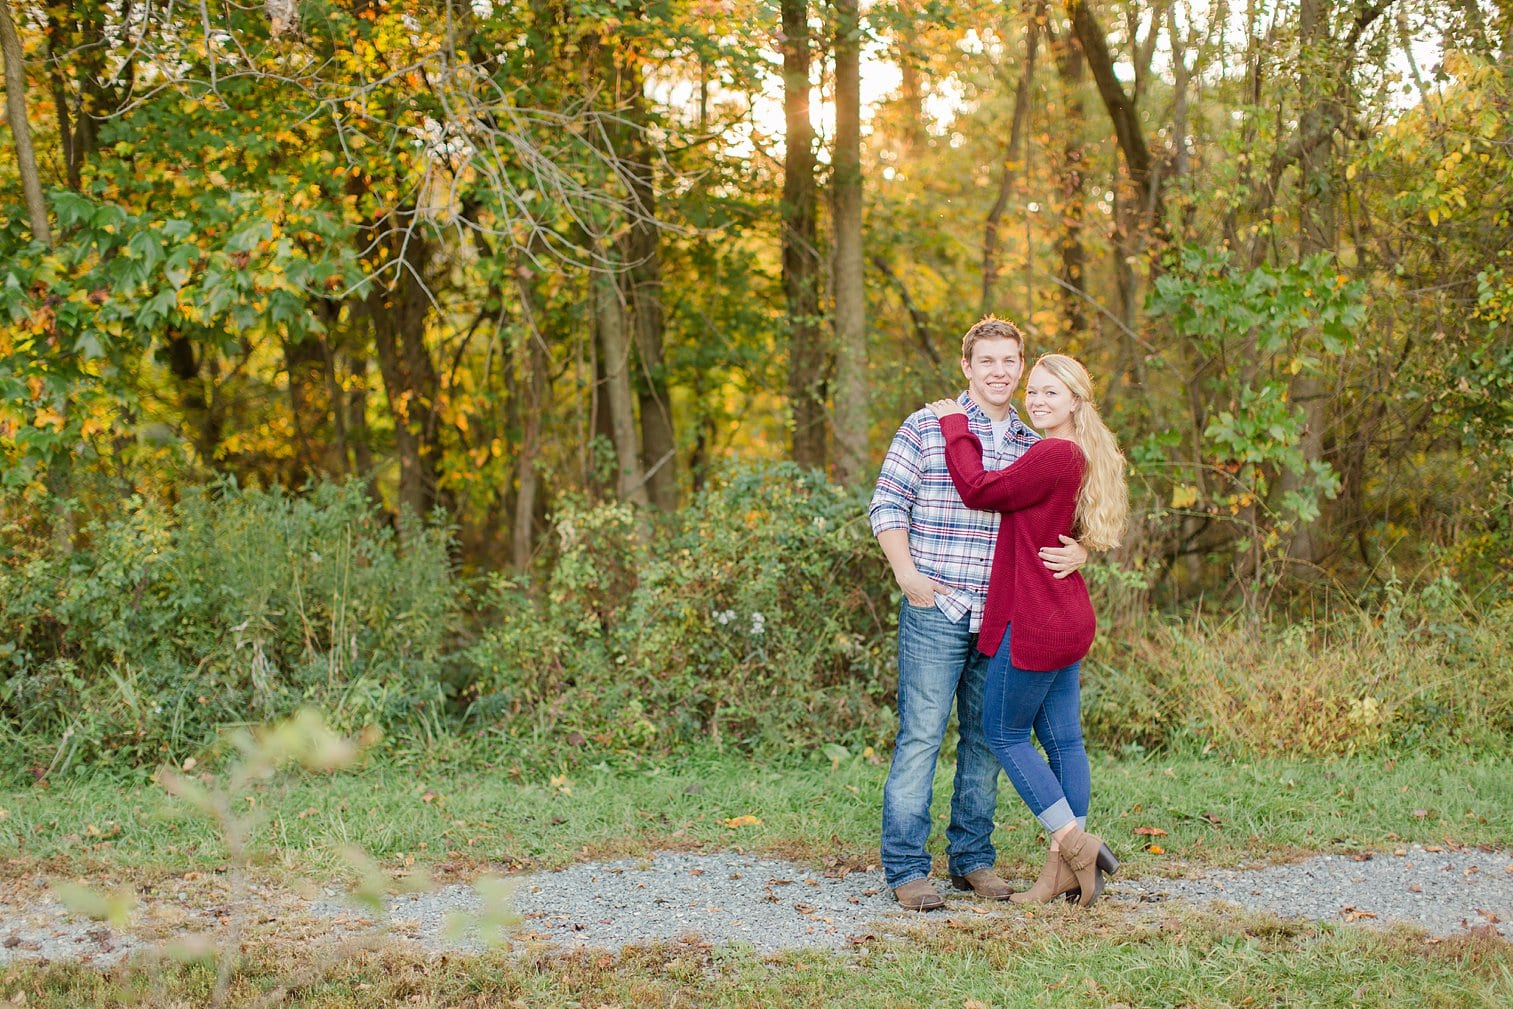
(1184, 496)
(742, 821)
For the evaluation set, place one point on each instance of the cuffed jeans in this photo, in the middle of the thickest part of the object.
(938, 662)
(1058, 786)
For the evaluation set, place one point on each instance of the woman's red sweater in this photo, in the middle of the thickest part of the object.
(1053, 618)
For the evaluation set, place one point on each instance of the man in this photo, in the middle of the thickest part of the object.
(941, 552)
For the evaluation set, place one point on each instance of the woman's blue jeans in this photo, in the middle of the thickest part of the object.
(1056, 787)
(938, 663)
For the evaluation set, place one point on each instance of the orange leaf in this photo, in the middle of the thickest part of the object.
(1155, 849)
(742, 821)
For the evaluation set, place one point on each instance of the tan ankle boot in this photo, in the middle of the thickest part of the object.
(1055, 878)
(1087, 857)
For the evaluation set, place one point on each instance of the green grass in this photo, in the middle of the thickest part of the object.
(1216, 811)
(1061, 959)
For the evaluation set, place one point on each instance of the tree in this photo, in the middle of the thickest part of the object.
(851, 396)
(801, 253)
(15, 110)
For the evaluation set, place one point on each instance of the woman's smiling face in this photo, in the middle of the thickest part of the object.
(1049, 403)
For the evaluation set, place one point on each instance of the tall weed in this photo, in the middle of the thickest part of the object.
(1421, 669)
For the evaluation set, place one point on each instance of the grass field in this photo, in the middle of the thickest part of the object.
(1216, 812)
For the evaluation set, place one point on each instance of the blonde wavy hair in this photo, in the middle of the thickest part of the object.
(1102, 500)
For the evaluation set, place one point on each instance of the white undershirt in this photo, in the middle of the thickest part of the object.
(1000, 428)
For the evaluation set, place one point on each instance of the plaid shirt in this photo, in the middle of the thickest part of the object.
(951, 544)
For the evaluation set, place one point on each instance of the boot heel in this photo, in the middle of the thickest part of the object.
(960, 883)
(1106, 860)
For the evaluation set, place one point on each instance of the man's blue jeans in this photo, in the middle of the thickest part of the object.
(1058, 786)
(938, 662)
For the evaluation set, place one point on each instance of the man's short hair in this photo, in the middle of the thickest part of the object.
(990, 328)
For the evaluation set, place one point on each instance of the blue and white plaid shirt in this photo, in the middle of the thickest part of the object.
(951, 544)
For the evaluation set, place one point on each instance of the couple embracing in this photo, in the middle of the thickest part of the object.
(986, 524)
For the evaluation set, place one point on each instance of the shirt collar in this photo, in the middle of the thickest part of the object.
(975, 413)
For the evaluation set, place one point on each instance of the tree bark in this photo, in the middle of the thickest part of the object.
(643, 281)
(15, 110)
(1069, 245)
(1121, 107)
(911, 135)
(1013, 160)
(399, 313)
(614, 352)
(1315, 221)
(527, 481)
(851, 414)
(801, 255)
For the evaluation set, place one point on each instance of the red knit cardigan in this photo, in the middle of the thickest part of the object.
(1053, 618)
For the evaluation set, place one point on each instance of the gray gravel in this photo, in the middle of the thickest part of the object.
(1440, 891)
(770, 905)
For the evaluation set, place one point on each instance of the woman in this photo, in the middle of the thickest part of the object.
(1038, 628)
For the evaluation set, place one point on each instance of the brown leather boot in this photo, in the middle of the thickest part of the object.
(919, 895)
(1088, 858)
(1055, 878)
(985, 883)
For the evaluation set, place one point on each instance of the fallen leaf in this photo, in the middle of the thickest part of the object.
(1150, 831)
(1155, 849)
(746, 820)
(1419, 814)
(1211, 818)
(1415, 888)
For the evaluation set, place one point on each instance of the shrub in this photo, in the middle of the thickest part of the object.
(762, 618)
(234, 605)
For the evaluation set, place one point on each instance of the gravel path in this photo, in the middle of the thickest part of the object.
(767, 904)
(1440, 891)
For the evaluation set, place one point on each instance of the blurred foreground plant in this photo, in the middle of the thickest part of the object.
(303, 742)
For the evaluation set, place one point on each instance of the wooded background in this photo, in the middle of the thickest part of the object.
(488, 257)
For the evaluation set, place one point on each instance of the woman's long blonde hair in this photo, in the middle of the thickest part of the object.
(1102, 500)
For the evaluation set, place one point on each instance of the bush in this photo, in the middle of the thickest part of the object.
(232, 606)
(763, 619)
(1423, 670)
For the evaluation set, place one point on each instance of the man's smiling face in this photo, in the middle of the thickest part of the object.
(992, 374)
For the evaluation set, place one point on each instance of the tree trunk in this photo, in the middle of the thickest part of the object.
(15, 111)
(614, 353)
(1069, 246)
(1120, 106)
(399, 313)
(527, 482)
(801, 255)
(851, 413)
(1012, 163)
(911, 136)
(1315, 224)
(643, 280)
